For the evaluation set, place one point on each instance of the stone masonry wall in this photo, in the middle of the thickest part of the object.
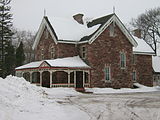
(105, 51)
(61, 49)
(144, 69)
(45, 44)
(66, 50)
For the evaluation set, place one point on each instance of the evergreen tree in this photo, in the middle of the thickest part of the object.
(20, 56)
(9, 60)
(5, 33)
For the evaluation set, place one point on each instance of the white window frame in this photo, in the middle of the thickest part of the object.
(122, 60)
(107, 73)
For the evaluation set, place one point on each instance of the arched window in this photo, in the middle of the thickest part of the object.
(42, 54)
(52, 51)
(122, 60)
(46, 33)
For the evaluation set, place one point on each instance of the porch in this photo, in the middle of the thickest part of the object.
(57, 78)
(46, 74)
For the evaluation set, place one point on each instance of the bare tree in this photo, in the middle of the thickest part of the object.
(27, 37)
(149, 24)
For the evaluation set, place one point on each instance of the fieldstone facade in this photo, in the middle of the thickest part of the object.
(105, 51)
(144, 70)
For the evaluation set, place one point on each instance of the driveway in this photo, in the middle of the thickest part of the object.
(126, 106)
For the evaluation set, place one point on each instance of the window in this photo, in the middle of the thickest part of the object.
(46, 33)
(107, 73)
(122, 60)
(133, 59)
(134, 76)
(42, 54)
(52, 50)
(83, 52)
(111, 30)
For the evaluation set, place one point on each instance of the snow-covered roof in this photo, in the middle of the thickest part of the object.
(156, 63)
(69, 62)
(69, 29)
(30, 65)
(142, 48)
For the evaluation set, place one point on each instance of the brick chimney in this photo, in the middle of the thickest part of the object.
(79, 18)
(137, 33)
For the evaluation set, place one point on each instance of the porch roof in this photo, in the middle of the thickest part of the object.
(68, 62)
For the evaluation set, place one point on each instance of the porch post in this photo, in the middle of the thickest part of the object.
(50, 79)
(40, 78)
(30, 76)
(69, 80)
(83, 79)
(89, 78)
(75, 79)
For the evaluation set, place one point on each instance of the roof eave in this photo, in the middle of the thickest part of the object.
(143, 53)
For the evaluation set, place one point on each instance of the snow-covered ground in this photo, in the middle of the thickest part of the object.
(20, 100)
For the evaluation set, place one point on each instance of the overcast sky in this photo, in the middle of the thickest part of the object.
(27, 14)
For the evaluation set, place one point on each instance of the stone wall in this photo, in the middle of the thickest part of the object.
(105, 51)
(144, 69)
(61, 50)
(66, 50)
(45, 43)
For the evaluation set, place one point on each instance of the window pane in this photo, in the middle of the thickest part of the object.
(107, 73)
(134, 76)
(123, 60)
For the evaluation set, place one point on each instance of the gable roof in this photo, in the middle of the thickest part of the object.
(68, 62)
(69, 31)
(142, 48)
(105, 22)
(45, 23)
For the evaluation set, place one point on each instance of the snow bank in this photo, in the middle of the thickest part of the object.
(20, 100)
(141, 88)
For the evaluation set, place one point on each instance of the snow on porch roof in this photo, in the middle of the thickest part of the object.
(69, 62)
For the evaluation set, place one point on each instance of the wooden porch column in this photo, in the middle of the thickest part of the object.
(69, 80)
(50, 79)
(30, 77)
(40, 78)
(83, 79)
(89, 78)
(75, 79)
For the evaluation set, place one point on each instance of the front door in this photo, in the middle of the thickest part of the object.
(79, 79)
(46, 79)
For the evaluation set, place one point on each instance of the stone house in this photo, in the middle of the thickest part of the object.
(97, 53)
